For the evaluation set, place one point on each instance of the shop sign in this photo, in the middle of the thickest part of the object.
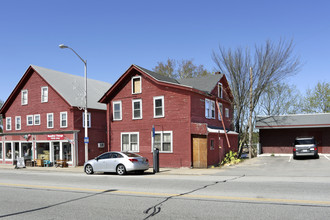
(55, 137)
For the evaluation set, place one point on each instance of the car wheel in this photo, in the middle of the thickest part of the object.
(120, 170)
(89, 169)
(317, 156)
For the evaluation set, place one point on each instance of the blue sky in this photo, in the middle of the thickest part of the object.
(112, 35)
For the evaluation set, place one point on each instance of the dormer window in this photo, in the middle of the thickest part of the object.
(219, 90)
(44, 94)
(136, 85)
(24, 97)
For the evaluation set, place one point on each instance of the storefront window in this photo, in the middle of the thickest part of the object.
(8, 151)
(0, 150)
(56, 151)
(43, 151)
(16, 150)
(67, 152)
(26, 151)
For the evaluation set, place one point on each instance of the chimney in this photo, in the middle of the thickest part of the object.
(217, 73)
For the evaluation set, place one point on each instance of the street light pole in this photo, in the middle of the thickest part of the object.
(86, 140)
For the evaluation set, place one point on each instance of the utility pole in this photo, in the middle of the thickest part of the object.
(250, 117)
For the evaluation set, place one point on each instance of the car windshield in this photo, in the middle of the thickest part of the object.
(304, 141)
(131, 154)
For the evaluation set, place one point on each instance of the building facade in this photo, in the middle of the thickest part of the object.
(188, 129)
(43, 118)
(277, 133)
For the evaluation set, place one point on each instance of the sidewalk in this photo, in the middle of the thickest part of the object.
(162, 171)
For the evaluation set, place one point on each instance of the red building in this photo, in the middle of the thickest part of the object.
(43, 118)
(277, 133)
(189, 132)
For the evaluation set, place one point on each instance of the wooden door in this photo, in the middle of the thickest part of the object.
(199, 151)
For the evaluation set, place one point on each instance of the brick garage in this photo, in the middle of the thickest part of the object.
(277, 133)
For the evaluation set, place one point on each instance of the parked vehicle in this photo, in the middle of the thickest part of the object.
(305, 146)
(119, 162)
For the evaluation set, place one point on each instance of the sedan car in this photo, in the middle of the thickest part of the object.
(119, 162)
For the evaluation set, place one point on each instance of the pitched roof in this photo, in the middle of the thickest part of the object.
(293, 121)
(72, 87)
(205, 84)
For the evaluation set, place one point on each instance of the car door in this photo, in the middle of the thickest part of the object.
(113, 162)
(100, 164)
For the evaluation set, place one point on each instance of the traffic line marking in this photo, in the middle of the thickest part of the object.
(326, 157)
(230, 198)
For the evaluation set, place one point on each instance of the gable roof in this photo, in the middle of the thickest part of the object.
(205, 84)
(69, 87)
(293, 121)
(157, 76)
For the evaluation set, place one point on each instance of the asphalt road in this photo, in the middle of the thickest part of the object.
(261, 188)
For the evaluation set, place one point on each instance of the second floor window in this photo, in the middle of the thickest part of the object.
(24, 97)
(18, 123)
(36, 119)
(116, 109)
(209, 109)
(8, 123)
(64, 119)
(227, 113)
(29, 120)
(158, 106)
(220, 107)
(44, 94)
(88, 119)
(137, 109)
(219, 90)
(50, 120)
(136, 85)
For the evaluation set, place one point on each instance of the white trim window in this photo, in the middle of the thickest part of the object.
(136, 85)
(137, 108)
(29, 120)
(159, 107)
(44, 94)
(220, 90)
(63, 119)
(226, 112)
(18, 123)
(88, 119)
(36, 119)
(117, 110)
(130, 141)
(221, 110)
(50, 120)
(163, 141)
(209, 109)
(8, 123)
(24, 97)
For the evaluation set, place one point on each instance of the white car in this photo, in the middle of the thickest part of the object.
(119, 162)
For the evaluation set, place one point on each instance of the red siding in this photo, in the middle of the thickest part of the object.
(281, 140)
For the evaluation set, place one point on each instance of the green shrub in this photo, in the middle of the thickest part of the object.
(231, 158)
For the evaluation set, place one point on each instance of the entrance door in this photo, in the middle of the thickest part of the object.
(199, 151)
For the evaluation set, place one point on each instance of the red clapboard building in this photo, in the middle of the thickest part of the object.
(189, 132)
(43, 118)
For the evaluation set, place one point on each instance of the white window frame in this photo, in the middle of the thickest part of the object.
(226, 112)
(133, 101)
(52, 114)
(163, 106)
(18, 122)
(8, 123)
(209, 109)
(220, 92)
(162, 141)
(44, 98)
(221, 110)
(89, 122)
(23, 100)
(34, 119)
(129, 135)
(66, 119)
(27, 120)
(120, 110)
(133, 78)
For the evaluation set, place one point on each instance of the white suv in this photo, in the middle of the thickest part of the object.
(305, 146)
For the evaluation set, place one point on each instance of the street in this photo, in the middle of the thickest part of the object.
(261, 188)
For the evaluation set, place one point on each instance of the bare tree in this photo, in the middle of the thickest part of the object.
(180, 69)
(271, 63)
